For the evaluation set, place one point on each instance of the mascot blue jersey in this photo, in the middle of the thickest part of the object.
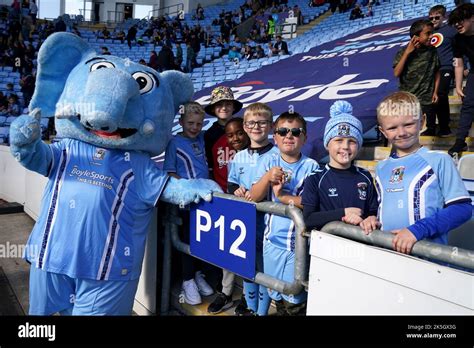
(280, 231)
(417, 186)
(244, 165)
(109, 194)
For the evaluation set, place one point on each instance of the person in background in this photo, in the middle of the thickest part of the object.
(462, 18)
(443, 41)
(417, 66)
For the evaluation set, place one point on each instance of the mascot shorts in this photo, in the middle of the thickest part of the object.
(280, 263)
(53, 292)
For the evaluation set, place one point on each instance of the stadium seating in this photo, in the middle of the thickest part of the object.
(466, 169)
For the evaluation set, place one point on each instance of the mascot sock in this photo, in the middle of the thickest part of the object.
(264, 300)
(251, 292)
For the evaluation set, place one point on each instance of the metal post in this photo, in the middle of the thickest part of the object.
(166, 278)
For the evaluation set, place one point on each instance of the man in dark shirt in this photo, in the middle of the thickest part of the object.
(443, 38)
(462, 18)
(281, 46)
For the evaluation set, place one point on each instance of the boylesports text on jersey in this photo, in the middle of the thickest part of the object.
(92, 177)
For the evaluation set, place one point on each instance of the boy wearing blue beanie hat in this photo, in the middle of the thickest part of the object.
(340, 191)
(342, 123)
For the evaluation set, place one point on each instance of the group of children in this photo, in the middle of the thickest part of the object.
(417, 194)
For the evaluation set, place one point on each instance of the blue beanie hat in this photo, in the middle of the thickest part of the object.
(342, 123)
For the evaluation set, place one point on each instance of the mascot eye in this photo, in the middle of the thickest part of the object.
(101, 65)
(144, 80)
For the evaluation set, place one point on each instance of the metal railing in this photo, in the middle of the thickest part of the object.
(438, 252)
(115, 16)
(167, 10)
(172, 221)
(443, 253)
(279, 30)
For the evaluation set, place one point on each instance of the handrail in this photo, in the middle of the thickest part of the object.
(434, 251)
(179, 8)
(115, 14)
(301, 246)
(292, 29)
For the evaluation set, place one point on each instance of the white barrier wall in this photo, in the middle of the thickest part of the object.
(25, 187)
(12, 177)
(350, 278)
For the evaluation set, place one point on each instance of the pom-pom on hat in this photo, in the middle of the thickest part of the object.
(342, 123)
(222, 93)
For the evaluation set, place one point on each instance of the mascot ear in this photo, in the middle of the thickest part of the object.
(59, 54)
(181, 87)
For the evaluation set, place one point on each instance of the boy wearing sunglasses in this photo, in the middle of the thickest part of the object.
(282, 176)
(340, 191)
(242, 169)
(443, 38)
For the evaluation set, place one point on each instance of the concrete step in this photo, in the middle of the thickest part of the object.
(448, 141)
(201, 309)
(304, 28)
(183, 308)
(368, 165)
(10, 207)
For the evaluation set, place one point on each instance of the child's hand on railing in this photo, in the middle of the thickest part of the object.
(370, 224)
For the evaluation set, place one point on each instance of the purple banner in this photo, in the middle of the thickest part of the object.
(356, 68)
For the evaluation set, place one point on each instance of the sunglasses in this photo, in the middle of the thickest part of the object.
(282, 131)
(434, 18)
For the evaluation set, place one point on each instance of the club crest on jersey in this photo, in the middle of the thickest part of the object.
(362, 188)
(99, 154)
(288, 175)
(196, 149)
(397, 175)
(344, 130)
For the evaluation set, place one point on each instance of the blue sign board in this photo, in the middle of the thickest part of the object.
(222, 232)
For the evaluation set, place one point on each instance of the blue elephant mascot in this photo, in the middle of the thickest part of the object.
(112, 115)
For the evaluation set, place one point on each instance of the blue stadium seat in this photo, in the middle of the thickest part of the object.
(9, 120)
(4, 132)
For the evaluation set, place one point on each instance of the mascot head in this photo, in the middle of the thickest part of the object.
(105, 100)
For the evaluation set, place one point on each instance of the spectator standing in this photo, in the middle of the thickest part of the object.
(463, 20)
(131, 36)
(165, 59)
(33, 11)
(444, 38)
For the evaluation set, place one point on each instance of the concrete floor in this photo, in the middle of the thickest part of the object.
(14, 232)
